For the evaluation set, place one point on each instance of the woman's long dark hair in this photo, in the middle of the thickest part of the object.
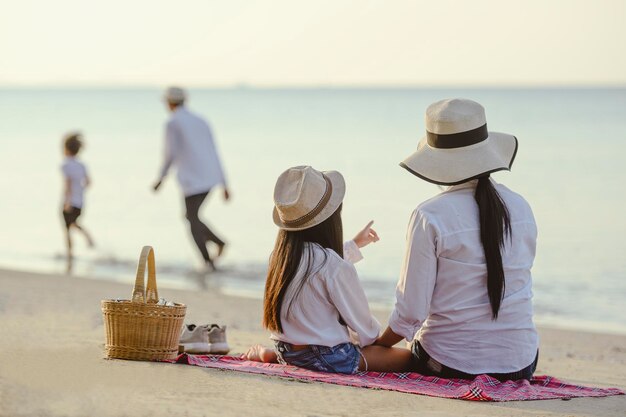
(285, 262)
(495, 226)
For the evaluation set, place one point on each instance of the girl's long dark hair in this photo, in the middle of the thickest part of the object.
(288, 253)
(495, 226)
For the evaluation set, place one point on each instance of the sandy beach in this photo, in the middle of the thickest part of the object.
(485, 159)
(52, 365)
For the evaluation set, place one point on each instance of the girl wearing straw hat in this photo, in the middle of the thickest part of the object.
(314, 304)
(464, 294)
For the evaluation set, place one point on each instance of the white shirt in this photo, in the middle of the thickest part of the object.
(190, 147)
(331, 295)
(75, 171)
(441, 297)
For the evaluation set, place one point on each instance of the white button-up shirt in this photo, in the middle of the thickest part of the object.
(190, 147)
(331, 307)
(442, 295)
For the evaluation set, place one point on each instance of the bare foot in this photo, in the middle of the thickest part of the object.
(220, 250)
(254, 353)
(70, 264)
(209, 267)
(259, 353)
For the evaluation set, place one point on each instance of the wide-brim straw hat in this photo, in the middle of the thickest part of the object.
(304, 197)
(457, 146)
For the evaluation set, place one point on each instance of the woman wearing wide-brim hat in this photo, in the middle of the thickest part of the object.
(314, 303)
(464, 294)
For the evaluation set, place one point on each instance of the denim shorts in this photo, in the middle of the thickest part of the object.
(341, 359)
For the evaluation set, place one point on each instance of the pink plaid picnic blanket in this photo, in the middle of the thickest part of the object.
(483, 388)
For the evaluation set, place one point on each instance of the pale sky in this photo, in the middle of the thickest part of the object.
(312, 42)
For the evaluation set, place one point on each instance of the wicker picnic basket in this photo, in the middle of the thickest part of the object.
(139, 329)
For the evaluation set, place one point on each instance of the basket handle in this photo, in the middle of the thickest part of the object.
(142, 294)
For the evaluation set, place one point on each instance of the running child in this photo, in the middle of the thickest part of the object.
(75, 180)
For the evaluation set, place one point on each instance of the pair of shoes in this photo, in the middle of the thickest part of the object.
(208, 338)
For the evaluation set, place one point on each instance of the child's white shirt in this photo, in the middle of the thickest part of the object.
(331, 302)
(77, 173)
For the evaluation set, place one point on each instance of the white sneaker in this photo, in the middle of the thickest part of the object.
(217, 340)
(204, 339)
(194, 339)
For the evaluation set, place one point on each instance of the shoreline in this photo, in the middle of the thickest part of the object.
(53, 350)
(178, 277)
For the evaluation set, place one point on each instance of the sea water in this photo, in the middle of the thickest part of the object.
(570, 167)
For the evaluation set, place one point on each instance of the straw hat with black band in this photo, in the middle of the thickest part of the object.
(304, 197)
(457, 146)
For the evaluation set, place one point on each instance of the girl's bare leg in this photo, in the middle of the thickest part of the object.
(87, 235)
(260, 353)
(68, 242)
(385, 359)
(379, 358)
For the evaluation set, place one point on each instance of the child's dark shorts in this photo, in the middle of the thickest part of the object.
(71, 216)
(342, 359)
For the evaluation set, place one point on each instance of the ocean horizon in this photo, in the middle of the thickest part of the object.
(568, 167)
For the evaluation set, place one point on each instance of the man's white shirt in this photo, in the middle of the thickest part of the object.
(189, 146)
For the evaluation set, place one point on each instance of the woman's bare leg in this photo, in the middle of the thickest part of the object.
(385, 359)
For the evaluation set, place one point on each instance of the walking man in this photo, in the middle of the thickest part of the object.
(190, 147)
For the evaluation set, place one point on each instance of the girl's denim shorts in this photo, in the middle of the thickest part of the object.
(342, 359)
